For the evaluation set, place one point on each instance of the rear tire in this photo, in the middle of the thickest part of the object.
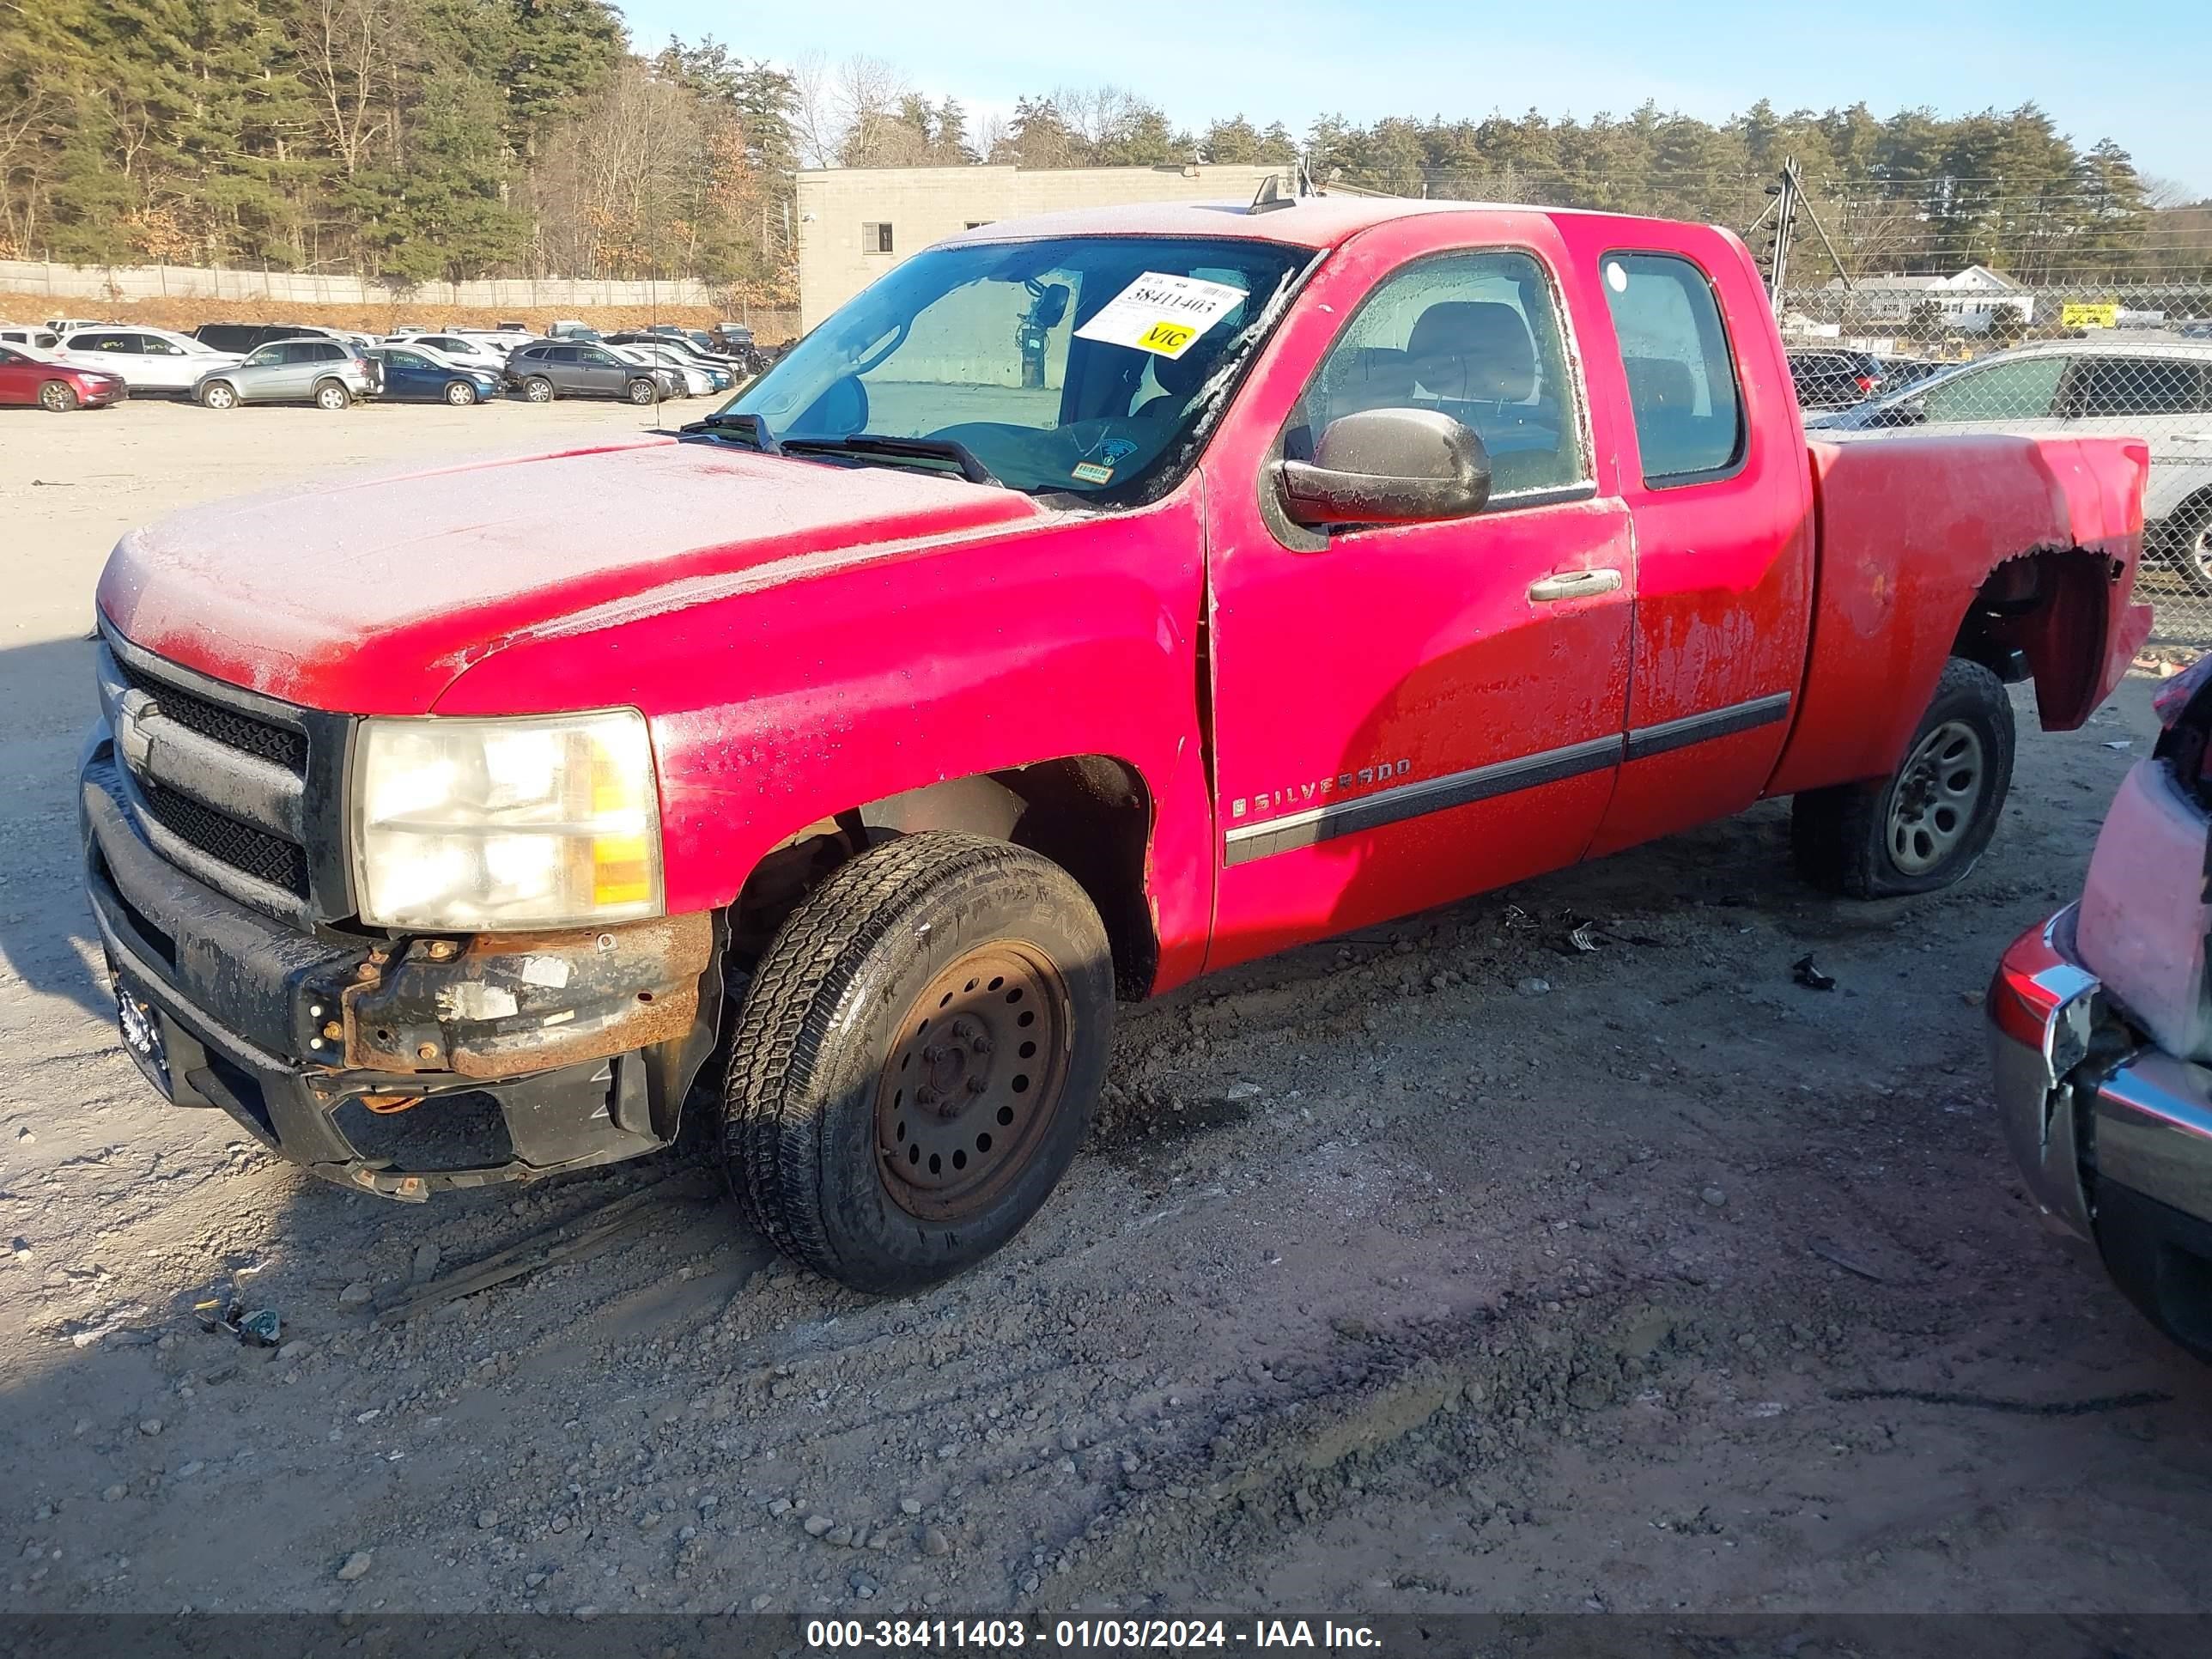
(887, 1145)
(538, 389)
(218, 394)
(58, 397)
(2192, 546)
(1926, 826)
(331, 396)
(643, 392)
(460, 394)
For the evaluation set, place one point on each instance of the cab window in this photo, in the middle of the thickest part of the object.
(1476, 336)
(1682, 390)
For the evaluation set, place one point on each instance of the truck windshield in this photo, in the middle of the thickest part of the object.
(1090, 365)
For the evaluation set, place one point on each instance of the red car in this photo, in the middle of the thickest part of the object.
(26, 377)
(1093, 602)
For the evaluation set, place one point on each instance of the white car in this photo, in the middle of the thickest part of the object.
(2158, 388)
(461, 349)
(147, 359)
(38, 341)
(696, 381)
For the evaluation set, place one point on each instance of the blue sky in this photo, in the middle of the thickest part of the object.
(2135, 73)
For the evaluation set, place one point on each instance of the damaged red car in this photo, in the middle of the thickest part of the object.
(1093, 602)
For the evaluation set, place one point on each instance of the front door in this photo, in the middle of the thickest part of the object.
(1405, 714)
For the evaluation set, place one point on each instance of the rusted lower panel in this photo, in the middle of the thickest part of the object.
(502, 1005)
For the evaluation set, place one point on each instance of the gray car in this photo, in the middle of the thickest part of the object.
(323, 372)
(578, 369)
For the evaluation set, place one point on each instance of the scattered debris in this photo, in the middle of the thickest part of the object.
(1534, 986)
(2121, 744)
(570, 1241)
(1809, 976)
(356, 1565)
(256, 1327)
(1585, 937)
(1714, 1196)
(1829, 1253)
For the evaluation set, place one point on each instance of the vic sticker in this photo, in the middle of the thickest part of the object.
(1161, 314)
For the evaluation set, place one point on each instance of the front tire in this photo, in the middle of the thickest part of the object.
(218, 394)
(331, 396)
(642, 392)
(58, 397)
(1926, 826)
(917, 1058)
(460, 394)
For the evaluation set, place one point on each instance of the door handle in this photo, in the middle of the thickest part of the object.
(1573, 585)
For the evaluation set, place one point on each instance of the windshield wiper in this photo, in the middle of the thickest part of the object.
(749, 427)
(918, 449)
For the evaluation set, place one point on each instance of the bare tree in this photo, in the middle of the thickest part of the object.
(816, 129)
(349, 53)
(868, 92)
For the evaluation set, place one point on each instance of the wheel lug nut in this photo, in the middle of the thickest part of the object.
(981, 1045)
(927, 1095)
(977, 1084)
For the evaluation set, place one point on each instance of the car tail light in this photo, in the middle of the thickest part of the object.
(2173, 697)
(1867, 382)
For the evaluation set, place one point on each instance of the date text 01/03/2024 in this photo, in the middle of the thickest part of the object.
(830, 1635)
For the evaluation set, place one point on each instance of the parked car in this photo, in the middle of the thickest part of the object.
(29, 375)
(569, 329)
(684, 351)
(321, 372)
(1834, 379)
(2158, 390)
(70, 325)
(552, 368)
(697, 381)
(39, 339)
(242, 337)
(2101, 1033)
(421, 376)
(702, 374)
(778, 748)
(477, 350)
(146, 359)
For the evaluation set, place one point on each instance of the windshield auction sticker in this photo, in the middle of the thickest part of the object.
(1161, 314)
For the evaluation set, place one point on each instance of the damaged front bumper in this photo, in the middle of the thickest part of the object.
(399, 1066)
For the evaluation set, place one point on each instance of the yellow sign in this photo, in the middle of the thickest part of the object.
(2089, 316)
(1168, 338)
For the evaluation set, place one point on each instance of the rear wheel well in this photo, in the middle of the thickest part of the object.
(1090, 814)
(2044, 616)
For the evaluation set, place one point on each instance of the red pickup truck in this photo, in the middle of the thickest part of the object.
(1092, 602)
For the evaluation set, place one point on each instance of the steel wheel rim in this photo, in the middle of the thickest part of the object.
(973, 1081)
(1938, 792)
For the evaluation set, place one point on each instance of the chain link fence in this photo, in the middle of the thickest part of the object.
(1895, 323)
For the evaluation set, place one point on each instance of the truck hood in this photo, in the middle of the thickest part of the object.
(370, 595)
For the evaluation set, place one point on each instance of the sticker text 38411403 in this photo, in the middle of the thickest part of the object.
(1162, 313)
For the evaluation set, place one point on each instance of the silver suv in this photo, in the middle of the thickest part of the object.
(579, 369)
(323, 372)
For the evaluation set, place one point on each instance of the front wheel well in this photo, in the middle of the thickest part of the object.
(1090, 814)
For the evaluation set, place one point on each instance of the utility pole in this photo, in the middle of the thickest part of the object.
(1787, 199)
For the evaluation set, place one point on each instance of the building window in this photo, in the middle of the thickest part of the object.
(876, 239)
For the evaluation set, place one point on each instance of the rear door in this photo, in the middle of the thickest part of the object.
(20, 378)
(1715, 478)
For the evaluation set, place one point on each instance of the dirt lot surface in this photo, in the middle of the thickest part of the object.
(1445, 1268)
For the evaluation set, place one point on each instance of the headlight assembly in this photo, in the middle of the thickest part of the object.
(476, 825)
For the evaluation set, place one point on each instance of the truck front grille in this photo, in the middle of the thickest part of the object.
(232, 786)
(229, 727)
(258, 853)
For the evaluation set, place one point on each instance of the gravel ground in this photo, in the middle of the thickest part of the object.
(1388, 1281)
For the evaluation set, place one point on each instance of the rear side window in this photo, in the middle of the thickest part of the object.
(1681, 379)
(2138, 385)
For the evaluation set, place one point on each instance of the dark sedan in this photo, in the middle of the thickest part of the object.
(416, 377)
(1834, 379)
(555, 368)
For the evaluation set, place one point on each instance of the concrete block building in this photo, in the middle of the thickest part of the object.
(855, 223)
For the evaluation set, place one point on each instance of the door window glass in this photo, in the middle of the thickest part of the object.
(1682, 388)
(2108, 386)
(2021, 390)
(1475, 336)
